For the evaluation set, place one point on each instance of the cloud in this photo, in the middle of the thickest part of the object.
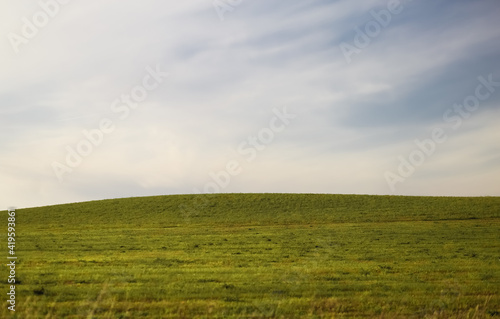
(225, 78)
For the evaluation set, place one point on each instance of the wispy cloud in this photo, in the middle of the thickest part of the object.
(226, 77)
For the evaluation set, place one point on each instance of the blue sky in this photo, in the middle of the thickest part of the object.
(232, 67)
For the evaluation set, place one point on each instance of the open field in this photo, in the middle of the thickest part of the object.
(259, 256)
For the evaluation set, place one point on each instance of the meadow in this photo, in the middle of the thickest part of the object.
(259, 256)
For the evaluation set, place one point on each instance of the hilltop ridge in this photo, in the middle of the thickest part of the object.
(261, 209)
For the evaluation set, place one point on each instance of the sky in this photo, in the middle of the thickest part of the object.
(128, 98)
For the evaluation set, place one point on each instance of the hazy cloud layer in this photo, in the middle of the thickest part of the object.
(351, 119)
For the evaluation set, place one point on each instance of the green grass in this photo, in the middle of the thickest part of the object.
(259, 256)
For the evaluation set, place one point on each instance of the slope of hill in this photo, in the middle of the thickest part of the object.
(262, 209)
(259, 256)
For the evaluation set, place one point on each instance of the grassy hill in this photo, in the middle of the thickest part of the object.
(259, 256)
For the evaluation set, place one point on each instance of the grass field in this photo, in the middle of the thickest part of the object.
(259, 256)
